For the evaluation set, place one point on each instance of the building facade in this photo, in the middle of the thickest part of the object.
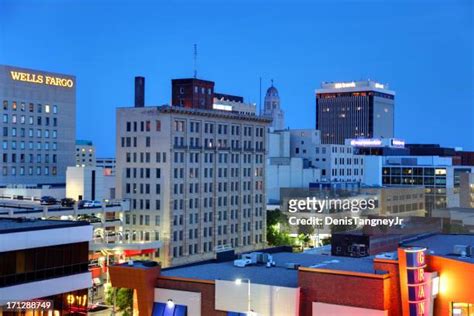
(285, 170)
(354, 109)
(192, 93)
(466, 192)
(85, 153)
(38, 126)
(44, 260)
(304, 284)
(195, 177)
(435, 174)
(338, 163)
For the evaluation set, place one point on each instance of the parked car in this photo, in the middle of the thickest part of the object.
(92, 204)
(47, 200)
(67, 202)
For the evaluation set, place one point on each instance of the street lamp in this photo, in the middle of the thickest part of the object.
(239, 282)
(170, 303)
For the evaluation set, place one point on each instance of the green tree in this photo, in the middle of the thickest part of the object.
(277, 229)
(124, 300)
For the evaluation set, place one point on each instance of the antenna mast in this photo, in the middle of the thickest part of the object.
(260, 97)
(195, 60)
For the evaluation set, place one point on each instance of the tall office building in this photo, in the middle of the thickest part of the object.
(273, 109)
(354, 109)
(195, 177)
(38, 126)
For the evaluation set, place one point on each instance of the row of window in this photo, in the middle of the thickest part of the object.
(22, 171)
(24, 158)
(160, 157)
(22, 106)
(414, 180)
(22, 145)
(21, 132)
(143, 219)
(415, 171)
(178, 204)
(14, 119)
(209, 157)
(221, 129)
(346, 172)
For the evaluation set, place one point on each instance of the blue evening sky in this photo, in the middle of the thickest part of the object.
(422, 49)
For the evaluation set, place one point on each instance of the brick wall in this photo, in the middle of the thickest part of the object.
(206, 288)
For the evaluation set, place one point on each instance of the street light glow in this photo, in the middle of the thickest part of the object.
(170, 304)
(238, 281)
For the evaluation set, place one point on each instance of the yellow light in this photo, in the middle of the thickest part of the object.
(443, 284)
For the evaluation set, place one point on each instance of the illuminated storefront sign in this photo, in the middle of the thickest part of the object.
(416, 280)
(366, 142)
(41, 79)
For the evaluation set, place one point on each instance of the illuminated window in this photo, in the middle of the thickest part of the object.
(46, 108)
(462, 309)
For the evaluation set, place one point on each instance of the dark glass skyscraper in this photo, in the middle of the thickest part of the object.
(362, 109)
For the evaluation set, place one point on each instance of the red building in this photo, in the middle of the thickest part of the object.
(192, 93)
(432, 275)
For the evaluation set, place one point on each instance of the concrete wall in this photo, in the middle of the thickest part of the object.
(79, 183)
(264, 299)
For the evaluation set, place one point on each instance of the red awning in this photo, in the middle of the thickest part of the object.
(131, 252)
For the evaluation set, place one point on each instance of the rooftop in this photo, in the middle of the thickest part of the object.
(153, 110)
(278, 275)
(15, 225)
(443, 245)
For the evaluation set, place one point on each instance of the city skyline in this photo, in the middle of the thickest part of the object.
(105, 55)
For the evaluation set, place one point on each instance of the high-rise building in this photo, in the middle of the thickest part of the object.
(273, 109)
(354, 109)
(85, 153)
(195, 176)
(38, 126)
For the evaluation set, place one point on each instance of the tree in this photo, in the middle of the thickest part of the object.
(124, 300)
(277, 229)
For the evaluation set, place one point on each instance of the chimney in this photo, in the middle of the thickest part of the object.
(139, 92)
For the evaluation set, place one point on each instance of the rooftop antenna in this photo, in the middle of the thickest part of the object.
(195, 60)
(260, 97)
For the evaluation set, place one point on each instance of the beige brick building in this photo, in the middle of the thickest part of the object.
(195, 179)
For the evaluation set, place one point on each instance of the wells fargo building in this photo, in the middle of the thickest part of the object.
(37, 126)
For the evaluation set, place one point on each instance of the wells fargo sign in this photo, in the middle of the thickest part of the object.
(42, 79)
(417, 296)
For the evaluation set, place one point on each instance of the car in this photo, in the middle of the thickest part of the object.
(47, 200)
(67, 202)
(93, 203)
